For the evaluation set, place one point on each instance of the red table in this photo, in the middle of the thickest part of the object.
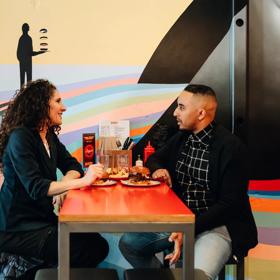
(125, 209)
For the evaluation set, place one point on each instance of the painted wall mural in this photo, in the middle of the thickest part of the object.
(203, 31)
(129, 60)
(25, 52)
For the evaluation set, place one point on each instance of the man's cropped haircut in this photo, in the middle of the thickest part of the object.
(200, 90)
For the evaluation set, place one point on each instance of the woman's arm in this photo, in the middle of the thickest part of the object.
(93, 172)
(65, 161)
(59, 198)
(24, 158)
(72, 174)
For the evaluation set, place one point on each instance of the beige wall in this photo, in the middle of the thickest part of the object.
(89, 31)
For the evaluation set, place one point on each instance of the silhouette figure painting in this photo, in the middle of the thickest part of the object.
(25, 53)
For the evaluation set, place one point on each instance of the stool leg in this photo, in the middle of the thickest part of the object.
(222, 274)
(240, 270)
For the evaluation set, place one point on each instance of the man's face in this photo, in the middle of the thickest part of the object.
(187, 111)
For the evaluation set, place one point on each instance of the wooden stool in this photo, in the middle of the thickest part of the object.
(153, 274)
(239, 267)
(79, 274)
(176, 274)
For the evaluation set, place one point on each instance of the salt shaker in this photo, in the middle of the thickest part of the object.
(139, 162)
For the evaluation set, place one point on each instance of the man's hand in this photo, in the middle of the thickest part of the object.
(177, 238)
(162, 175)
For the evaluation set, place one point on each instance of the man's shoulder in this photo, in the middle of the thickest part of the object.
(223, 137)
(220, 132)
(179, 136)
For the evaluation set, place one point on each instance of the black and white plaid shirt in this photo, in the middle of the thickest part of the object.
(192, 171)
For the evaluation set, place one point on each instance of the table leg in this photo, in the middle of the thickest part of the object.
(188, 253)
(63, 252)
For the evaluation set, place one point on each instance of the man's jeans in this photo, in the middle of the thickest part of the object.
(212, 250)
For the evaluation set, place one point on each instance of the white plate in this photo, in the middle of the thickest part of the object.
(118, 177)
(148, 183)
(106, 183)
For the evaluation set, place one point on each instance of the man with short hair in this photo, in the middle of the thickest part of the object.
(207, 167)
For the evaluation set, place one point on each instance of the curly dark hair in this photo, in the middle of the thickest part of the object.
(30, 108)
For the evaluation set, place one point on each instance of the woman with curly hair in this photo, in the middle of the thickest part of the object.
(30, 154)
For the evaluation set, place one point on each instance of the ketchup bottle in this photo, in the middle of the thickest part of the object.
(149, 149)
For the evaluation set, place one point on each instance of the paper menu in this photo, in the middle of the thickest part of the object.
(119, 129)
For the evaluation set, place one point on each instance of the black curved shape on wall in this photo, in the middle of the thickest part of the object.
(263, 93)
(182, 52)
(190, 41)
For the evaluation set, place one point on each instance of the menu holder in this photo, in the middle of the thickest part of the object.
(88, 148)
(120, 158)
(107, 143)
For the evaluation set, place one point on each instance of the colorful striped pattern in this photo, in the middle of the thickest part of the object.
(143, 104)
(263, 261)
(111, 96)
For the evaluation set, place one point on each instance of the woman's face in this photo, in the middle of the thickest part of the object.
(56, 109)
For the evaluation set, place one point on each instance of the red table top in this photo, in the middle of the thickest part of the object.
(121, 204)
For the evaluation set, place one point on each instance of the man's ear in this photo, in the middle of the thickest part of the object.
(201, 114)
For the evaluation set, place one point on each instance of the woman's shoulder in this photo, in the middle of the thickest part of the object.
(22, 130)
(21, 133)
(52, 136)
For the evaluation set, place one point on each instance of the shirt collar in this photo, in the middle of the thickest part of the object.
(204, 135)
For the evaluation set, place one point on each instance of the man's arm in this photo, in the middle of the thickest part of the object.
(158, 164)
(165, 157)
(231, 193)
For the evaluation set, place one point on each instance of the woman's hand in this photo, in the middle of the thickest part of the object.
(58, 201)
(177, 238)
(94, 172)
(162, 175)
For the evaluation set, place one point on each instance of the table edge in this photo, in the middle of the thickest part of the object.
(190, 218)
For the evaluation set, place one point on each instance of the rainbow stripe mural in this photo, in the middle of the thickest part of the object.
(113, 94)
(119, 95)
(264, 260)
(114, 97)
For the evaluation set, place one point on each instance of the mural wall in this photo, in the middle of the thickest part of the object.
(95, 52)
(95, 55)
(129, 60)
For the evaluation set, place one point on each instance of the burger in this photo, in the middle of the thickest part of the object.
(139, 173)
